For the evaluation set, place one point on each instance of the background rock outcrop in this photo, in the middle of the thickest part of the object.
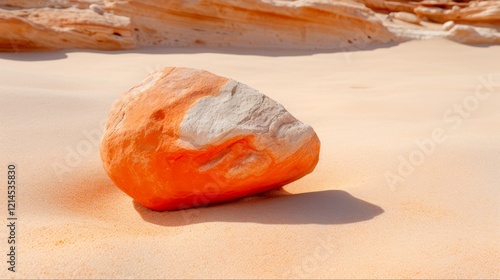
(127, 24)
(485, 12)
(299, 24)
(54, 28)
(441, 11)
(254, 23)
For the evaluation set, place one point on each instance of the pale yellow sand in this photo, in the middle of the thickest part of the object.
(344, 220)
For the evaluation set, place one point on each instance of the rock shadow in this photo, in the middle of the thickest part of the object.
(43, 55)
(322, 207)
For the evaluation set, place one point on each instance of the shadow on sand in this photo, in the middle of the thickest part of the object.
(155, 50)
(322, 207)
(42, 55)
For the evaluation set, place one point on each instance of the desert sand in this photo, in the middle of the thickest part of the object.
(427, 108)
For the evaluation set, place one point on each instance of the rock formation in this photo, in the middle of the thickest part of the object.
(251, 23)
(290, 24)
(56, 28)
(464, 11)
(477, 21)
(255, 23)
(484, 12)
(473, 35)
(184, 138)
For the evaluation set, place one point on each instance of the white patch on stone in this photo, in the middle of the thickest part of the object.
(241, 110)
(448, 25)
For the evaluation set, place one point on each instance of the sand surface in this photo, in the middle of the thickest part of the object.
(370, 110)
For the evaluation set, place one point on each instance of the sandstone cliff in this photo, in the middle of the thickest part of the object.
(26, 25)
(297, 24)
(253, 23)
(464, 11)
(51, 28)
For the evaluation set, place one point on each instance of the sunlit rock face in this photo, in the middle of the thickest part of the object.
(46, 28)
(185, 138)
(126, 24)
(300, 24)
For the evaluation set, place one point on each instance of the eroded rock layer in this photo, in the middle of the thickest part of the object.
(284, 24)
(126, 24)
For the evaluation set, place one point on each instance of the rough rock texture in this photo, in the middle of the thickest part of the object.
(478, 19)
(473, 35)
(186, 137)
(440, 11)
(486, 12)
(390, 6)
(52, 28)
(251, 23)
(255, 23)
(291, 24)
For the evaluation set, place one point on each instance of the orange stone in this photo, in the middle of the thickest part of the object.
(187, 138)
